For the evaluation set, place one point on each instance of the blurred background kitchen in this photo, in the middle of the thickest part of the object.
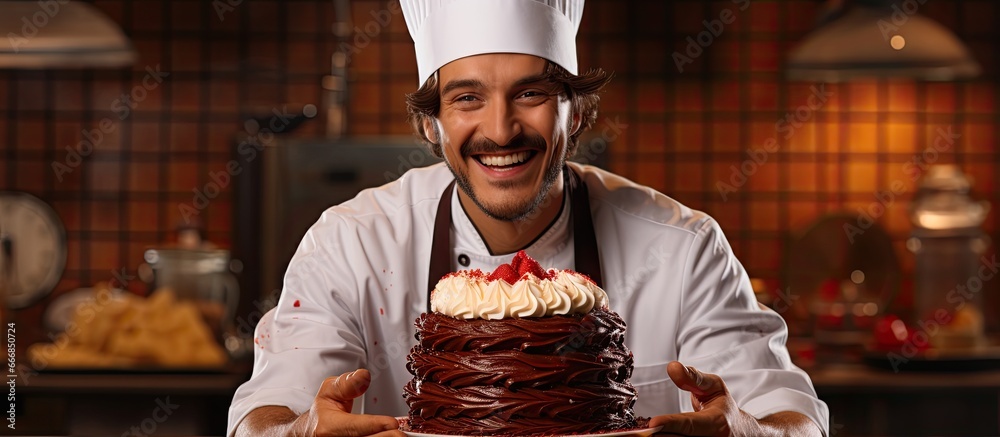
(161, 160)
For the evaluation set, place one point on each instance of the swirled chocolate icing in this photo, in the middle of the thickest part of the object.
(559, 374)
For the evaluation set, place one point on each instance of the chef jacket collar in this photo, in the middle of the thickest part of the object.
(469, 243)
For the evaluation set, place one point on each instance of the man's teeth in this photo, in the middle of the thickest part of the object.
(500, 161)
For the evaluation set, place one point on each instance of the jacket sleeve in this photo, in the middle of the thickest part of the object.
(311, 334)
(726, 332)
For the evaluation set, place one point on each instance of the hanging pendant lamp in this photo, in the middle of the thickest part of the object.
(880, 38)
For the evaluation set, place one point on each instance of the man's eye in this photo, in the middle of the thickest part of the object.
(531, 94)
(466, 98)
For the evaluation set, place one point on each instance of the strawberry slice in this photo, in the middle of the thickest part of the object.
(518, 267)
(519, 258)
(505, 272)
(529, 265)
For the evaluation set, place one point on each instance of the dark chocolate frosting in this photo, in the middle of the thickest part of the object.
(595, 330)
(545, 375)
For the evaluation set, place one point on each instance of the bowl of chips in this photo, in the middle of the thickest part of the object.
(119, 330)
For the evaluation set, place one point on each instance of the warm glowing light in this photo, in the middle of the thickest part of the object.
(857, 276)
(899, 330)
(870, 309)
(897, 42)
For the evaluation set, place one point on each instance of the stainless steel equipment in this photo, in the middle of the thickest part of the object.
(303, 178)
(949, 246)
(202, 276)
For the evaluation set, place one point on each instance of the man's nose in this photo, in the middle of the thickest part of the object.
(501, 124)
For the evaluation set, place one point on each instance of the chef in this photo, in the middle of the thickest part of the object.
(502, 100)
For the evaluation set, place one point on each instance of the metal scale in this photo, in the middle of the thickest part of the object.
(32, 249)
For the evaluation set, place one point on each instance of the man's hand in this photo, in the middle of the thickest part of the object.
(330, 414)
(717, 415)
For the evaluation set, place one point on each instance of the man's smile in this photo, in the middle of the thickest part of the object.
(505, 161)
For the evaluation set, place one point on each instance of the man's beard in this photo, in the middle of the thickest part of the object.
(514, 209)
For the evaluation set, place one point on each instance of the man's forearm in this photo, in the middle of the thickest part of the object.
(789, 423)
(271, 421)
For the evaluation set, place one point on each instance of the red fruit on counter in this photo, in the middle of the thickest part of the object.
(829, 290)
(891, 333)
(922, 342)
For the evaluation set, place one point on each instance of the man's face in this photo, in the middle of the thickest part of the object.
(503, 130)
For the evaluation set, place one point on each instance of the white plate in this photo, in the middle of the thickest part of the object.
(63, 309)
(632, 433)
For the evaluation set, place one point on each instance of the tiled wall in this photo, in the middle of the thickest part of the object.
(683, 129)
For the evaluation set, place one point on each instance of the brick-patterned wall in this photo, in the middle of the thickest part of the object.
(683, 129)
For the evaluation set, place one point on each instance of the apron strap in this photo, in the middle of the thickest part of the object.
(441, 244)
(588, 259)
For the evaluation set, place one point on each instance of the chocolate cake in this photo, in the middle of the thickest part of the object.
(520, 351)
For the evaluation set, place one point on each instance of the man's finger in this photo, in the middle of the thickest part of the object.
(393, 433)
(698, 383)
(701, 423)
(366, 424)
(347, 386)
(340, 423)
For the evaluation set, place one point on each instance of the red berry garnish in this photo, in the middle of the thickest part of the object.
(529, 265)
(505, 272)
(519, 258)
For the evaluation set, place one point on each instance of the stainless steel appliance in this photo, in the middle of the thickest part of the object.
(304, 178)
(951, 271)
(201, 276)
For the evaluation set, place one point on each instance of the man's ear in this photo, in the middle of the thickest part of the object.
(577, 123)
(430, 130)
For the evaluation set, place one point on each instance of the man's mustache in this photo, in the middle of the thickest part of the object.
(486, 146)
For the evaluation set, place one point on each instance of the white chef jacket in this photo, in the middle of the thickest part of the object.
(359, 280)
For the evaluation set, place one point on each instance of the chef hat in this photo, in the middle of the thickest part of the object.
(446, 30)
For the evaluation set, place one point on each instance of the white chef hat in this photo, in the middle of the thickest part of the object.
(446, 30)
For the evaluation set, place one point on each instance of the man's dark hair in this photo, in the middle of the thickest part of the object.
(582, 90)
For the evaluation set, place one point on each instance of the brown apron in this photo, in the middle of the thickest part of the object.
(588, 260)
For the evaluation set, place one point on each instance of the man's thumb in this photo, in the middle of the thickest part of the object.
(348, 386)
(690, 379)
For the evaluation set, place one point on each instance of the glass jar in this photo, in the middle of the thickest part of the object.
(949, 246)
(201, 276)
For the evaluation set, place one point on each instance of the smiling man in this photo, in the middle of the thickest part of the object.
(510, 127)
(502, 101)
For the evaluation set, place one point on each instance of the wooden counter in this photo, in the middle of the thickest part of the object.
(870, 402)
(113, 403)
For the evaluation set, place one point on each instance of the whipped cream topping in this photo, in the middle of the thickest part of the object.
(473, 295)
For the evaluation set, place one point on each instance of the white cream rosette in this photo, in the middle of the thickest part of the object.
(473, 296)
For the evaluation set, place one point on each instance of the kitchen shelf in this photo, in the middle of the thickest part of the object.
(133, 382)
(860, 378)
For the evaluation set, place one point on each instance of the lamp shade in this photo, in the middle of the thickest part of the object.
(63, 34)
(869, 41)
